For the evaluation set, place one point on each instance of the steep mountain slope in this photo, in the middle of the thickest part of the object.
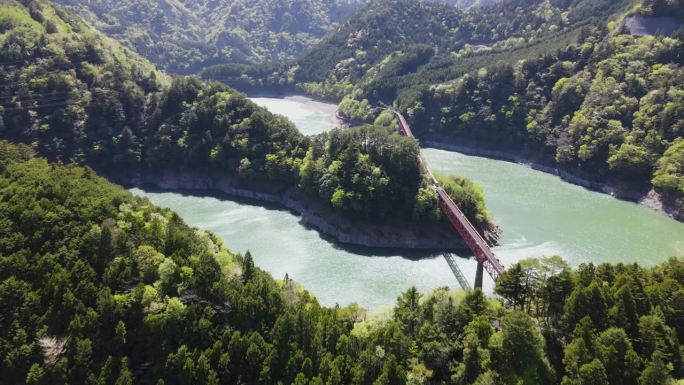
(608, 108)
(77, 95)
(185, 36)
(387, 26)
(611, 105)
(532, 78)
(100, 287)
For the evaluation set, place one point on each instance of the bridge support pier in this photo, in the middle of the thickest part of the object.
(478, 275)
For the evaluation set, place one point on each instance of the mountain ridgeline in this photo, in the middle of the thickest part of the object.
(387, 29)
(487, 75)
(187, 36)
(100, 287)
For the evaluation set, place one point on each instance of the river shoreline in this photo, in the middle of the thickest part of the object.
(322, 107)
(650, 199)
(397, 235)
(645, 197)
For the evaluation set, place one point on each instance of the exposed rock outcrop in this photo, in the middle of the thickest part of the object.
(397, 234)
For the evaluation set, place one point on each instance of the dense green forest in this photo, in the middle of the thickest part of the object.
(78, 97)
(525, 76)
(100, 287)
(186, 36)
(279, 74)
(563, 82)
(610, 107)
(391, 39)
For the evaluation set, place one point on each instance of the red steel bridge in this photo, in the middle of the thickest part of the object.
(481, 250)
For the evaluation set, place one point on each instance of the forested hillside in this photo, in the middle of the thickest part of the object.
(100, 287)
(610, 107)
(396, 37)
(185, 36)
(561, 82)
(78, 97)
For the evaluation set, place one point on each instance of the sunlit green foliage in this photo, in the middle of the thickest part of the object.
(74, 94)
(355, 110)
(186, 36)
(559, 82)
(469, 198)
(393, 47)
(612, 316)
(370, 171)
(608, 108)
(669, 175)
(79, 257)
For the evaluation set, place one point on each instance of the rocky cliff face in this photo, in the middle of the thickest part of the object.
(398, 234)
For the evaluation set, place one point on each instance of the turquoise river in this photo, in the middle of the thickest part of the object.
(540, 216)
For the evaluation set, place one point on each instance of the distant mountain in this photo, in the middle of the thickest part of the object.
(387, 26)
(368, 35)
(185, 36)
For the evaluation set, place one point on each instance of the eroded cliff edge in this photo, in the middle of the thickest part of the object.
(645, 196)
(397, 234)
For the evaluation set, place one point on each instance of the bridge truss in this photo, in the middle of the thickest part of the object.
(476, 243)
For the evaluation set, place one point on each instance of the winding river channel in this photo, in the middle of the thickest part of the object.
(540, 216)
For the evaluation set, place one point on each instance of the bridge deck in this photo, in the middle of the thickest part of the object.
(480, 248)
